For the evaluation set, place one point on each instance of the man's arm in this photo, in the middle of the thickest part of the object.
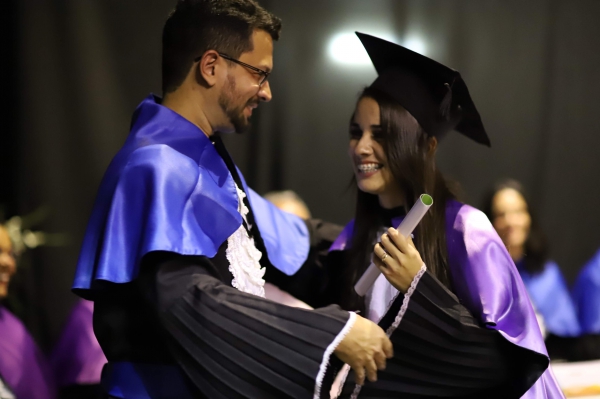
(236, 345)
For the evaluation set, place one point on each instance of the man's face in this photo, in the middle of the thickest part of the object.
(8, 263)
(242, 91)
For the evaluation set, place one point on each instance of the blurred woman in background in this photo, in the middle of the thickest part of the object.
(510, 212)
(24, 372)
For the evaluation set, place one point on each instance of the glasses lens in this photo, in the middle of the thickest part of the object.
(264, 79)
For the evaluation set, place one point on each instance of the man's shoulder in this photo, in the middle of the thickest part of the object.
(160, 160)
(159, 156)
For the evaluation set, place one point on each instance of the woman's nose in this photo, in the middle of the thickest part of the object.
(364, 146)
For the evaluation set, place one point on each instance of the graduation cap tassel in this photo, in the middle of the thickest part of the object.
(446, 102)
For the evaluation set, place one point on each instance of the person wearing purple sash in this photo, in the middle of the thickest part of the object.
(77, 358)
(451, 300)
(24, 372)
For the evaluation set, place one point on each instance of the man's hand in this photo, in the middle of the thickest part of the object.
(365, 347)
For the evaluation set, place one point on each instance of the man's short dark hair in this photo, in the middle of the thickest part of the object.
(196, 26)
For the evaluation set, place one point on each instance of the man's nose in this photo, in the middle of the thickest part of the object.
(264, 93)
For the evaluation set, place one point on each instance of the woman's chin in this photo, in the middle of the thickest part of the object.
(369, 188)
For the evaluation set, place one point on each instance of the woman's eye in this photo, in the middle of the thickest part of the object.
(355, 133)
(378, 135)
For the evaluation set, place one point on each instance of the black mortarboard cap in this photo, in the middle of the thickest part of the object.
(434, 94)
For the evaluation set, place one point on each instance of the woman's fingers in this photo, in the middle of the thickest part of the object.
(391, 248)
(399, 240)
(381, 265)
(379, 252)
(410, 241)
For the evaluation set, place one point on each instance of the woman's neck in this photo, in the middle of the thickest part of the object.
(391, 200)
(516, 252)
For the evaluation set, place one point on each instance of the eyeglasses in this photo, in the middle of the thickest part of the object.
(264, 74)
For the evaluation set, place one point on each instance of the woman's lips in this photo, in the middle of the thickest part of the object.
(368, 169)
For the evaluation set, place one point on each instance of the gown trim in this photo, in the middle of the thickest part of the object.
(397, 320)
(334, 344)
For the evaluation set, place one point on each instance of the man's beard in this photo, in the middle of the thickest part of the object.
(234, 113)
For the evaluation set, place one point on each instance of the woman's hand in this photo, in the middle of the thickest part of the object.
(397, 258)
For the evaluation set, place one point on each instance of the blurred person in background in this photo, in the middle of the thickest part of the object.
(586, 294)
(289, 201)
(311, 277)
(452, 301)
(24, 371)
(175, 252)
(512, 216)
(77, 358)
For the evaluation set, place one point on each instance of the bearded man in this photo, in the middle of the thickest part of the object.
(177, 246)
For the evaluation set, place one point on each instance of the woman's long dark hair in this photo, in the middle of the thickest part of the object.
(406, 147)
(535, 251)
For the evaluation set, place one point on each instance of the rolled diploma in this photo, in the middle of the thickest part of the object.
(406, 227)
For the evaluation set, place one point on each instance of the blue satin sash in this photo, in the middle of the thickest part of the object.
(168, 189)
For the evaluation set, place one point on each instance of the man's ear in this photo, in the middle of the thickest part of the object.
(431, 146)
(207, 68)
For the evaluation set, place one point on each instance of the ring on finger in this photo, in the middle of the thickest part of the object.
(384, 256)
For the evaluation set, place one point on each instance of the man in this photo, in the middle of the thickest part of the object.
(24, 372)
(174, 255)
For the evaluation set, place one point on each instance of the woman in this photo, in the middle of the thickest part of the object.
(451, 300)
(506, 206)
(24, 372)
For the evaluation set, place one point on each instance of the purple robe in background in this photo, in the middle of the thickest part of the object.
(77, 358)
(487, 283)
(586, 294)
(22, 365)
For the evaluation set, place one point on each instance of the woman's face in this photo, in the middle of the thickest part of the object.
(7, 262)
(368, 156)
(511, 217)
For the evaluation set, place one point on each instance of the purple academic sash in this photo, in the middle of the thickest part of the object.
(486, 282)
(77, 358)
(22, 365)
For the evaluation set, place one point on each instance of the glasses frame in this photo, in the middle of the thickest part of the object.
(261, 72)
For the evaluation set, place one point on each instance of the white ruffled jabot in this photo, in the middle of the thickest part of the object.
(244, 257)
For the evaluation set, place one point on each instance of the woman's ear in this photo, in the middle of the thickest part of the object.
(431, 146)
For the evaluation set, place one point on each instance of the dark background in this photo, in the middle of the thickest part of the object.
(73, 72)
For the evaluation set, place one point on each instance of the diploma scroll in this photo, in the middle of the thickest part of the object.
(406, 227)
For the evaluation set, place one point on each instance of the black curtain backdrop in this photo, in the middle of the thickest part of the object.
(81, 67)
